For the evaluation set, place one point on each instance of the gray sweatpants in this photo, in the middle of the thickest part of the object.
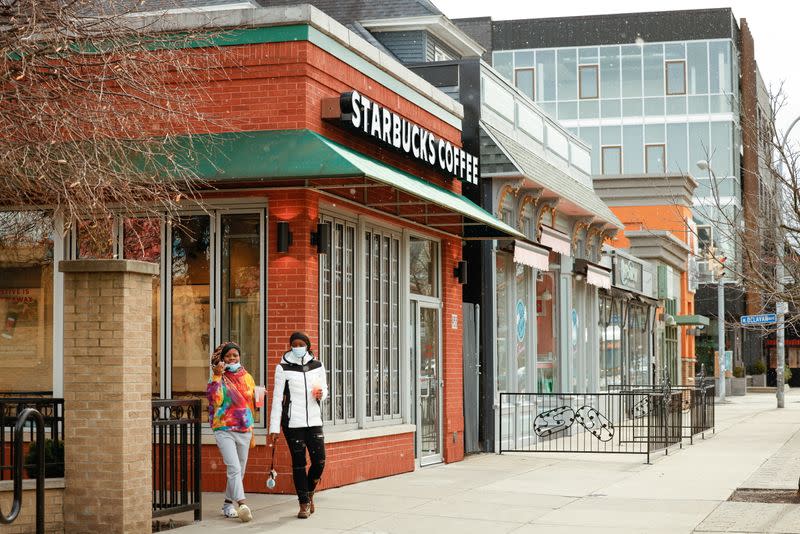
(234, 446)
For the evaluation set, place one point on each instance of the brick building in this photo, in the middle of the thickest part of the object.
(330, 214)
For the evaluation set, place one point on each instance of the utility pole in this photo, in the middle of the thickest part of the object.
(780, 309)
(721, 332)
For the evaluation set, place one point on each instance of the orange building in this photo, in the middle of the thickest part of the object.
(656, 211)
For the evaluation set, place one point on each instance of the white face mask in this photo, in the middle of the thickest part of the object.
(299, 352)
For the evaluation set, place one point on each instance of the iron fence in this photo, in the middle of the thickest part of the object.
(177, 457)
(27, 416)
(52, 410)
(636, 420)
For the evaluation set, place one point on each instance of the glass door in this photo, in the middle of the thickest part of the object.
(429, 425)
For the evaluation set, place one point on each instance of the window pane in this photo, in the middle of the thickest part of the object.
(653, 70)
(654, 154)
(697, 59)
(141, 240)
(546, 67)
(337, 250)
(698, 145)
(721, 146)
(567, 110)
(589, 81)
(241, 288)
(612, 135)
(654, 106)
(654, 133)
(395, 320)
(385, 331)
(350, 386)
(369, 319)
(524, 80)
(676, 77)
(610, 108)
(612, 160)
(523, 58)
(423, 261)
(26, 302)
(503, 62)
(95, 240)
(589, 109)
(501, 291)
(631, 76)
(567, 74)
(521, 318)
(326, 331)
(720, 67)
(698, 104)
(632, 107)
(609, 71)
(546, 322)
(591, 135)
(676, 105)
(632, 147)
(190, 272)
(677, 151)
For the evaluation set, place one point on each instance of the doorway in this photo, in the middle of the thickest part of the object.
(426, 350)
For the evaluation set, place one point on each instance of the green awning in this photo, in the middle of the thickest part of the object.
(687, 320)
(303, 157)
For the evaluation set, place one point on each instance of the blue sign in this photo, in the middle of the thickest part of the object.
(522, 320)
(764, 318)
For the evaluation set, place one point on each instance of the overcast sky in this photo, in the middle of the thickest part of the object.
(774, 25)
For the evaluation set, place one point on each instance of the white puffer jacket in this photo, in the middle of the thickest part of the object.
(295, 378)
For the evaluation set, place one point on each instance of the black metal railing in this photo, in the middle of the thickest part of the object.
(177, 457)
(631, 420)
(52, 411)
(23, 418)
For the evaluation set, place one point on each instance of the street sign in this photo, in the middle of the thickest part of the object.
(764, 318)
(782, 307)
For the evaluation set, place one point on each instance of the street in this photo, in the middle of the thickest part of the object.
(755, 446)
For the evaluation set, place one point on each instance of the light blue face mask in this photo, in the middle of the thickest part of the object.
(233, 367)
(299, 352)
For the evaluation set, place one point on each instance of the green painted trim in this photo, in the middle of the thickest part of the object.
(691, 320)
(274, 155)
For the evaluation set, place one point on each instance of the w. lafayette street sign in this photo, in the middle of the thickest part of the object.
(764, 318)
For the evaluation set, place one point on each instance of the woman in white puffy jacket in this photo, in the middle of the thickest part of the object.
(300, 387)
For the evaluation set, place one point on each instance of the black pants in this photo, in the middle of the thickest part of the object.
(300, 439)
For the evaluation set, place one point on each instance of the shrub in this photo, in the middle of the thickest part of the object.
(758, 368)
(738, 372)
(787, 375)
(53, 459)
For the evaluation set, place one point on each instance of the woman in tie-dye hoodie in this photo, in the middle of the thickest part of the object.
(231, 394)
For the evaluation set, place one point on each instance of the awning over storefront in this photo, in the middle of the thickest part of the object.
(687, 320)
(531, 255)
(282, 158)
(596, 275)
(558, 241)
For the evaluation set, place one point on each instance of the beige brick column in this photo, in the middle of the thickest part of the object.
(107, 396)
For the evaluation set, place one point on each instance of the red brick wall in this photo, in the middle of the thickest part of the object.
(281, 86)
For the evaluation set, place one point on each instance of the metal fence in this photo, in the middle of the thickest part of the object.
(52, 410)
(177, 457)
(631, 420)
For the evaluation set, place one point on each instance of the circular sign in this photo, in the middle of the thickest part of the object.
(522, 320)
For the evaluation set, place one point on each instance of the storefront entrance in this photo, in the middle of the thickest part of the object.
(425, 336)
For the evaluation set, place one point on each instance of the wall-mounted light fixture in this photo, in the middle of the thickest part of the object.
(460, 272)
(284, 236)
(322, 238)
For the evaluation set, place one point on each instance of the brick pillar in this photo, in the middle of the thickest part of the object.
(107, 396)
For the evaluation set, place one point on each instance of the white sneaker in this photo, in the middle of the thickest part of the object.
(229, 511)
(245, 514)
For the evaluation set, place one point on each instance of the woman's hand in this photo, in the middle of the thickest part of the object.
(271, 439)
(219, 368)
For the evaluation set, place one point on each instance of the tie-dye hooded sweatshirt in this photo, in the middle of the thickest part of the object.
(230, 401)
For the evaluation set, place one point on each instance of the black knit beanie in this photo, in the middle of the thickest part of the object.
(227, 348)
(302, 337)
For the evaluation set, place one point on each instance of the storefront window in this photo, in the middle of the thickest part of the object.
(95, 239)
(190, 241)
(547, 337)
(423, 262)
(383, 296)
(521, 322)
(502, 322)
(141, 240)
(241, 287)
(637, 357)
(611, 351)
(26, 302)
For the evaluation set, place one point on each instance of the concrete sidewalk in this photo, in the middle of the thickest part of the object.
(686, 491)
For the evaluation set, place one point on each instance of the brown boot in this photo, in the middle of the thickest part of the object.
(311, 502)
(305, 511)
